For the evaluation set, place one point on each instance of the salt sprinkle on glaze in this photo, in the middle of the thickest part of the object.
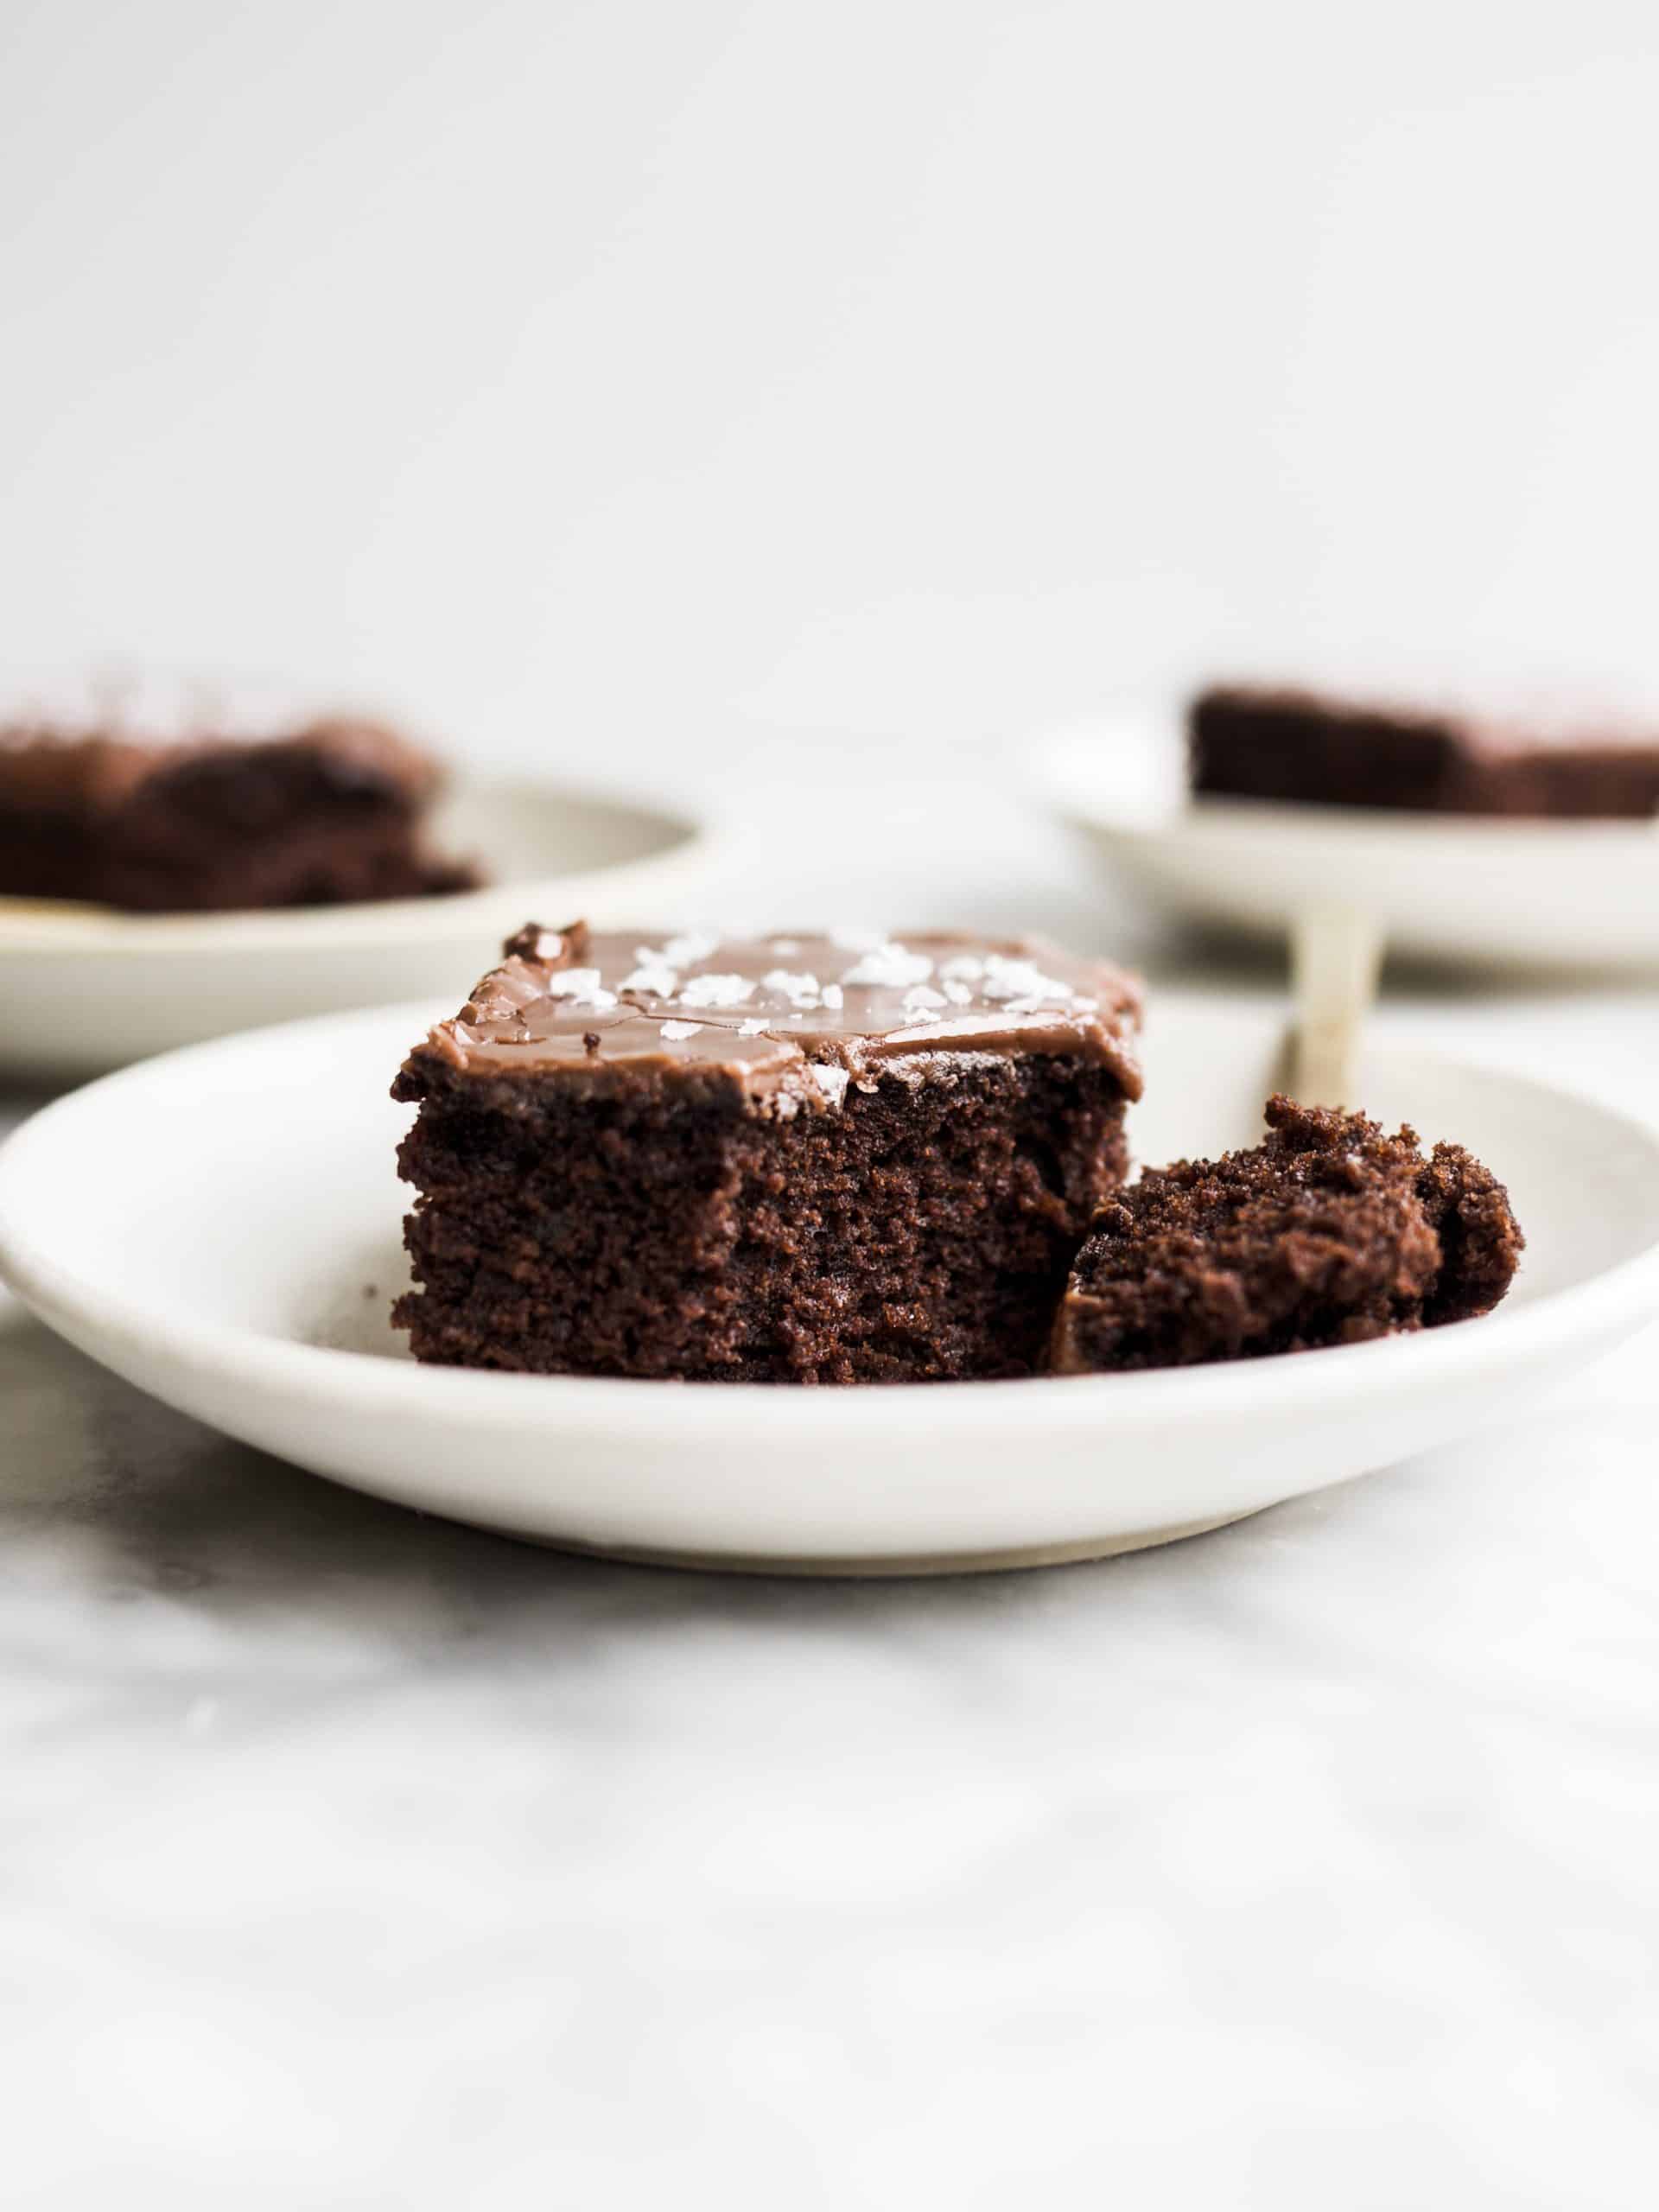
(958, 993)
(716, 990)
(751, 1028)
(890, 966)
(682, 951)
(675, 1030)
(654, 976)
(832, 997)
(1006, 980)
(832, 1082)
(582, 987)
(800, 991)
(923, 1004)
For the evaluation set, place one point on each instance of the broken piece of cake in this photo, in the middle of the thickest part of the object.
(792, 1158)
(1329, 1233)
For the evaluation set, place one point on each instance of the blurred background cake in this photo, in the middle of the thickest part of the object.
(157, 801)
(1258, 741)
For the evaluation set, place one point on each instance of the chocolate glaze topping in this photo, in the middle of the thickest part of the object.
(806, 1012)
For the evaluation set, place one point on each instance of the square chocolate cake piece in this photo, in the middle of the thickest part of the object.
(808, 1158)
(1268, 742)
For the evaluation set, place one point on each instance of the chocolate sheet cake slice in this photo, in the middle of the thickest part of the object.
(1260, 742)
(1329, 1233)
(327, 813)
(802, 1159)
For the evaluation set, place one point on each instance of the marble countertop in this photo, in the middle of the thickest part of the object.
(359, 1860)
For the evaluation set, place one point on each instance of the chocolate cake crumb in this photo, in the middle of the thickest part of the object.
(1328, 1233)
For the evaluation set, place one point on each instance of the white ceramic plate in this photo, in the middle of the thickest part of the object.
(83, 988)
(221, 1227)
(1440, 887)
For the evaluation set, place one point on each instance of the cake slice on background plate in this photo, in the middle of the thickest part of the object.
(1325, 748)
(157, 803)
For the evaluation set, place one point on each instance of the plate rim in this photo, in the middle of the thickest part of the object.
(1617, 1300)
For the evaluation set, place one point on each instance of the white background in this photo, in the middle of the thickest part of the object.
(591, 378)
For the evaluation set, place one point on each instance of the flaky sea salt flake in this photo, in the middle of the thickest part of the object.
(802, 991)
(890, 967)
(1007, 979)
(675, 1030)
(684, 950)
(716, 990)
(655, 978)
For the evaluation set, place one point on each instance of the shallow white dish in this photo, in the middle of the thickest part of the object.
(221, 1227)
(83, 988)
(1506, 893)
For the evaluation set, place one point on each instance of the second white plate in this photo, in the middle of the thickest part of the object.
(83, 988)
(1460, 887)
(222, 1226)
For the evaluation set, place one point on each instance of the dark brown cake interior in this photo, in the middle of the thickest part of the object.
(656, 1229)
(1329, 1233)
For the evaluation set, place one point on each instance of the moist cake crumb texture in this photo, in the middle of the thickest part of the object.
(798, 1158)
(1329, 1233)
